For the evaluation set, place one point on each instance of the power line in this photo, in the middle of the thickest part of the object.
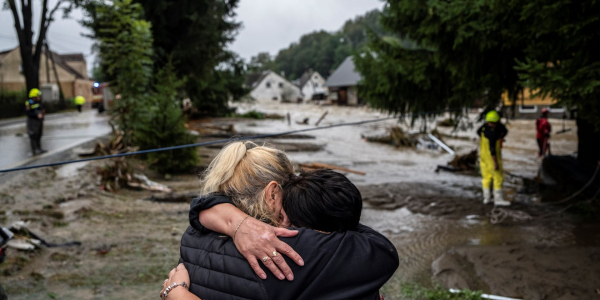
(260, 136)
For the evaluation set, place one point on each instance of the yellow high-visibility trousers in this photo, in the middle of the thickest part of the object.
(486, 164)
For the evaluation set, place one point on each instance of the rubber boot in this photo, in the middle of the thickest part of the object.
(498, 200)
(34, 151)
(487, 197)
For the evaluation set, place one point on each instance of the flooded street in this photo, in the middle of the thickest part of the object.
(421, 238)
(59, 134)
(432, 218)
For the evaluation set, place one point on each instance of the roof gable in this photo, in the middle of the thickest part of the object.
(344, 75)
(253, 79)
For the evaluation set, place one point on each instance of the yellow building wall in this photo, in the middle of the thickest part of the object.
(527, 99)
(11, 78)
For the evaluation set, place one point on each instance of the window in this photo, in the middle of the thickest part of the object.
(316, 77)
(281, 85)
(527, 109)
(333, 96)
(557, 109)
(275, 98)
(316, 84)
(268, 85)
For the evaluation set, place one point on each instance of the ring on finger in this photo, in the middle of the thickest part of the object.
(274, 253)
(265, 258)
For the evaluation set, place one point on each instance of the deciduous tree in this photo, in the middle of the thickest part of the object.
(31, 50)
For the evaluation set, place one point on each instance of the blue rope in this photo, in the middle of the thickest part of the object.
(260, 136)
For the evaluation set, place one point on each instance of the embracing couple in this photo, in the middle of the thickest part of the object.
(304, 228)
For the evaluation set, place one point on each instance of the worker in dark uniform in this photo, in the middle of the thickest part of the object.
(492, 135)
(34, 109)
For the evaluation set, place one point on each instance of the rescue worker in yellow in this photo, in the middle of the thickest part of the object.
(79, 101)
(34, 109)
(492, 135)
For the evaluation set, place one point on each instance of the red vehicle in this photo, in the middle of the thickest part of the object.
(102, 96)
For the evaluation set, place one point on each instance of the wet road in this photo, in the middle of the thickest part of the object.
(61, 132)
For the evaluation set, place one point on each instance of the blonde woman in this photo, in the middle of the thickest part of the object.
(244, 199)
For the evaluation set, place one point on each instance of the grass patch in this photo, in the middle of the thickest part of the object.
(418, 292)
(251, 115)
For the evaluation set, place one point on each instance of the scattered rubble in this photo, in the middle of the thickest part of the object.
(316, 166)
(173, 197)
(447, 123)
(466, 162)
(398, 138)
(120, 174)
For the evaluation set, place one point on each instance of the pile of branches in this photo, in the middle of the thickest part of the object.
(118, 173)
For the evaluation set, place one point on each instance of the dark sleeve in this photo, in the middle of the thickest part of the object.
(503, 131)
(203, 203)
(479, 131)
(364, 262)
(30, 112)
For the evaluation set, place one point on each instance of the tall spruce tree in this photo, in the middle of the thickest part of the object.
(195, 34)
(477, 50)
(465, 51)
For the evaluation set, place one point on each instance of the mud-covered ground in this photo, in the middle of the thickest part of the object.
(129, 243)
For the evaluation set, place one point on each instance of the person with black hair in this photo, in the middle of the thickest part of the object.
(323, 200)
(343, 258)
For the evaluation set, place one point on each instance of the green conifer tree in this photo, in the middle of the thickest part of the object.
(161, 124)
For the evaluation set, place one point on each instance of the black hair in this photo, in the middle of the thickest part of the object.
(322, 200)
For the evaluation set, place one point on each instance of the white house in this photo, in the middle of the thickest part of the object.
(269, 86)
(312, 85)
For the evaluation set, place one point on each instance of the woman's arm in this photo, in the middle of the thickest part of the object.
(178, 275)
(254, 239)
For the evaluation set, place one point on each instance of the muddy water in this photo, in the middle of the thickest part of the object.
(420, 239)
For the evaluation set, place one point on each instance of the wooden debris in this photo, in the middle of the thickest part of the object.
(465, 162)
(396, 138)
(316, 166)
(304, 122)
(141, 181)
(321, 118)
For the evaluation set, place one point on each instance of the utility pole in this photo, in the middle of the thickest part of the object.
(61, 101)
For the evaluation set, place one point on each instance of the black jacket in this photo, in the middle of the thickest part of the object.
(493, 134)
(350, 265)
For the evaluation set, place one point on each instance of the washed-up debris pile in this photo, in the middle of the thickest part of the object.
(398, 138)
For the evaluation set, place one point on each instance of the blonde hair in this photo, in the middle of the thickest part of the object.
(242, 171)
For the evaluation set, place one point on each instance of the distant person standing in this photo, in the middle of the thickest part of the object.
(34, 109)
(492, 135)
(543, 128)
(79, 101)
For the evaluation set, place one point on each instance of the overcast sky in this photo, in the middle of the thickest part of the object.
(267, 25)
